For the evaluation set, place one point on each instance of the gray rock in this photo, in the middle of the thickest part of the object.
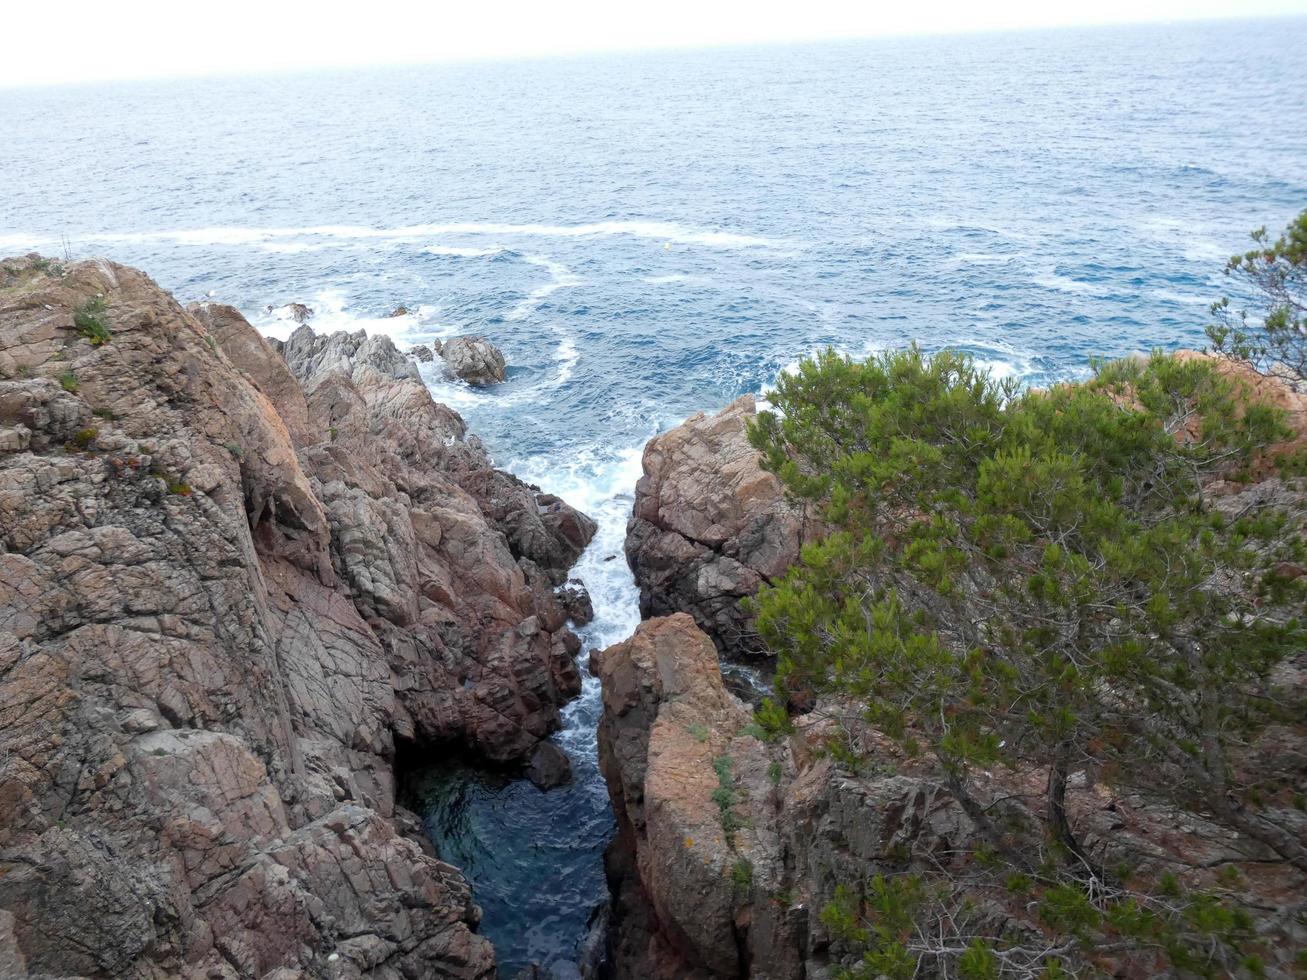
(311, 357)
(576, 603)
(475, 360)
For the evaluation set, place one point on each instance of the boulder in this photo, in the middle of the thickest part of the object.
(474, 359)
(671, 737)
(400, 310)
(421, 353)
(575, 601)
(710, 526)
(549, 766)
(293, 311)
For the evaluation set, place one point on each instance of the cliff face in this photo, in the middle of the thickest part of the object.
(225, 591)
(729, 847)
(710, 526)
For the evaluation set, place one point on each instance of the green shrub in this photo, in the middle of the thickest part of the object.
(742, 878)
(1019, 582)
(69, 382)
(84, 438)
(89, 321)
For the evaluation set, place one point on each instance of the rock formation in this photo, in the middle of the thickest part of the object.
(312, 355)
(294, 311)
(710, 526)
(729, 848)
(474, 359)
(228, 585)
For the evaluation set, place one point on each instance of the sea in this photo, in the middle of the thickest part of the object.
(650, 235)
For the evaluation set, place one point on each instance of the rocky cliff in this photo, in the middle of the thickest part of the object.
(730, 847)
(710, 526)
(230, 583)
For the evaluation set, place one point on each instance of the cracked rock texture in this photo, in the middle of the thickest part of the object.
(229, 583)
(698, 895)
(474, 359)
(710, 526)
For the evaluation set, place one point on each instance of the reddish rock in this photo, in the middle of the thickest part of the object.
(710, 526)
(218, 612)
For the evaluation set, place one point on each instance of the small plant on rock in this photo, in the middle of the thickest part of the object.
(83, 439)
(69, 382)
(742, 878)
(89, 321)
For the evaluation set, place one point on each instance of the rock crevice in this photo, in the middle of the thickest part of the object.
(230, 582)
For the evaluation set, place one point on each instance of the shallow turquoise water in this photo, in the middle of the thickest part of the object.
(649, 236)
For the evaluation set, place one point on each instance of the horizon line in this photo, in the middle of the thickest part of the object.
(624, 51)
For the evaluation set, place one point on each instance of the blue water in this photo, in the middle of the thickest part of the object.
(649, 236)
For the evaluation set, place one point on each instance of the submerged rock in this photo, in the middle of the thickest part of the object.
(400, 310)
(710, 526)
(294, 311)
(421, 353)
(475, 360)
(220, 610)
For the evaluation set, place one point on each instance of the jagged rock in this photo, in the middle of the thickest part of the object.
(400, 310)
(549, 766)
(218, 612)
(232, 334)
(667, 722)
(474, 359)
(294, 311)
(575, 601)
(710, 526)
(538, 526)
(312, 356)
(421, 353)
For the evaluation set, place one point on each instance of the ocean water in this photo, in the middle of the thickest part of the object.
(647, 236)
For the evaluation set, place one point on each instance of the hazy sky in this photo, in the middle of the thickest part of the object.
(81, 40)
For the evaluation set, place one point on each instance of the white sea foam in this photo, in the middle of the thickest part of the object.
(331, 313)
(982, 258)
(562, 277)
(1049, 279)
(566, 355)
(1186, 299)
(661, 231)
(462, 252)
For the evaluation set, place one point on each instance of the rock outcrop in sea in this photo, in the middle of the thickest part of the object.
(474, 359)
(231, 583)
(710, 526)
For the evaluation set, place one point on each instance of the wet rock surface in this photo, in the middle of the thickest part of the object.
(548, 766)
(229, 584)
